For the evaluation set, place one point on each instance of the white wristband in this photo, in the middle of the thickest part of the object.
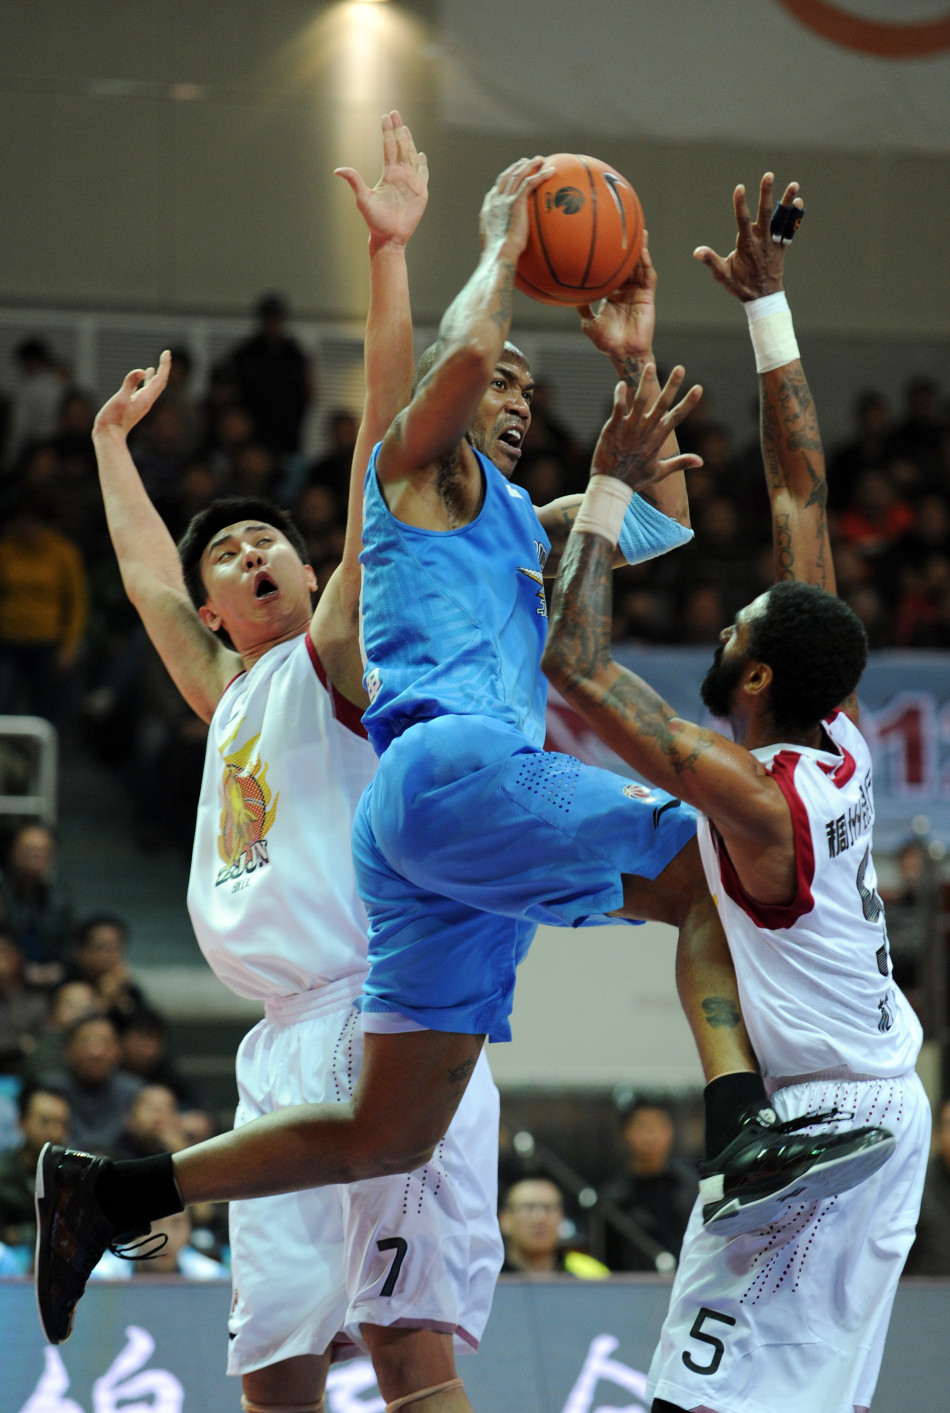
(772, 331)
(604, 507)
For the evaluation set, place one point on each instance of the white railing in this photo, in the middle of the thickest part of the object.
(39, 800)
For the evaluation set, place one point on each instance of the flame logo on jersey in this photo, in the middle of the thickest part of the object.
(538, 578)
(248, 810)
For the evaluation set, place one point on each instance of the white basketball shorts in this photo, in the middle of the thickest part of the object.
(420, 1249)
(793, 1319)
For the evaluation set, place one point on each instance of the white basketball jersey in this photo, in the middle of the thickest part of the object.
(272, 893)
(815, 975)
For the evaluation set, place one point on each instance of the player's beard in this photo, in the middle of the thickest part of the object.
(720, 682)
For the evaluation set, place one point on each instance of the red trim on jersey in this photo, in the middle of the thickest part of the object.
(345, 711)
(842, 772)
(234, 679)
(777, 916)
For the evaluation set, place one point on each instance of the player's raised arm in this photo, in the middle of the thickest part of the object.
(791, 444)
(691, 762)
(391, 209)
(623, 328)
(151, 571)
(657, 519)
(471, 335)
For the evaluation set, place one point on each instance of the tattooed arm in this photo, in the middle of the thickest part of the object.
(792, 452)
(791, 444)
(695, 764)
(795, 475)
(471, 336)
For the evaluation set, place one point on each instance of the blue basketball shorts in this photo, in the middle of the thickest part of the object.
(467, 839)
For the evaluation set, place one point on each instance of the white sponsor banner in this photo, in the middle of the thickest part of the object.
(854, 74)
(554, 1346)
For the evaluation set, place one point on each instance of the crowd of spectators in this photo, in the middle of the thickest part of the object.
(70, 645)
(71, 648)
(83, 1052)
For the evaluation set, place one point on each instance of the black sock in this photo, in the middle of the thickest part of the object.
(726, 1100)
(136, 1191)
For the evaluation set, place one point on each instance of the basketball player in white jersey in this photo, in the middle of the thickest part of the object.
(790, 1318)
(404, 1265)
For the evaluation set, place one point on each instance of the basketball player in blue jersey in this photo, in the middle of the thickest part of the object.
(790, 1317)
(475, 834)
(471, 834)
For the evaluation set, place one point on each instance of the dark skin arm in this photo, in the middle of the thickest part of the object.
(792, 452)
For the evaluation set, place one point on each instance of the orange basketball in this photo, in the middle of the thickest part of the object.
(586, 232)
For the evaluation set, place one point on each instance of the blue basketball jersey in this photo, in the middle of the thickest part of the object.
(453, 622)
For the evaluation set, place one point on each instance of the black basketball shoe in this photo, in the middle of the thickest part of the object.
(72, 1233)
(772, 1163)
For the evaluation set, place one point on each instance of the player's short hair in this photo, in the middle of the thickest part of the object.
(817, 649)
(229, 510)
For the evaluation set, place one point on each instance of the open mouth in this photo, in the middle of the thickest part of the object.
(265, 588)
(511, 438)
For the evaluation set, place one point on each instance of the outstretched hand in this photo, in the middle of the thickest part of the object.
(632, 438)
(756, 266)
(623, 326)
(393, 207)
(137, 395)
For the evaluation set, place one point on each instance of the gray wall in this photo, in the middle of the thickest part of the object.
(179, 155)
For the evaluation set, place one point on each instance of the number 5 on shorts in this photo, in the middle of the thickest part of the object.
(400, 1245)
(697, 1332)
